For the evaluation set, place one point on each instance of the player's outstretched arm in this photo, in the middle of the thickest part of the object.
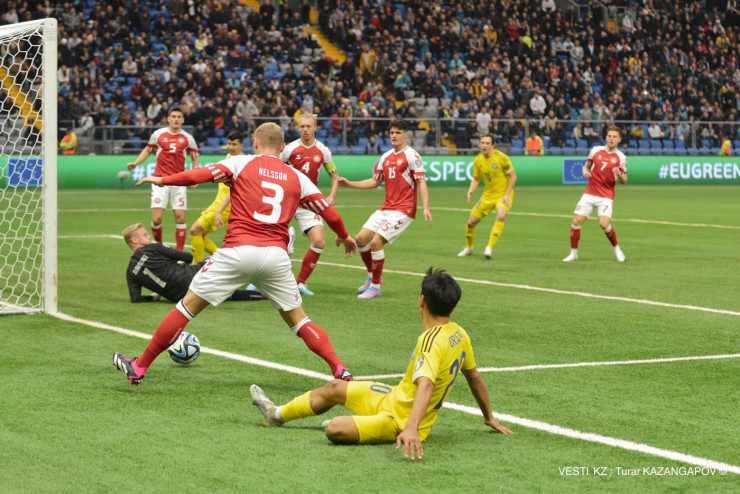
(621, 175)
(150, 180)
(409, 437)
(587, 169)
(474, 183)
(480, 393)
(368, 183)
(144, 154)
(350, 246)
(424, 191)
(509, 188)
(334, 178)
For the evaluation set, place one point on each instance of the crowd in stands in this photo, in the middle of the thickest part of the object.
(483, 66)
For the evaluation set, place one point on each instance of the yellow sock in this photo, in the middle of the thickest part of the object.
(208, 245)
(469, 237)
(197, 248)
(297, 408)
(498, 227)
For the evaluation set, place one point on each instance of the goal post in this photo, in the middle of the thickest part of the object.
(28, 167)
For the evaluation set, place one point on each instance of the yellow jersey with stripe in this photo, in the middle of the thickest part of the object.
(441, 353)
(494, 172)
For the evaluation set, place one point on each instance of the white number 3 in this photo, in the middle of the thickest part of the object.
(274, 201)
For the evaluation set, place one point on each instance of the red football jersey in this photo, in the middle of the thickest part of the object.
(603, 163)
(265, 194)
(399, 171)
(171, 150)
(308, 159)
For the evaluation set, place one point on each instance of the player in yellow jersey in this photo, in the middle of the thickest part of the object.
(206, 223)
(405, 413)
(499, 177)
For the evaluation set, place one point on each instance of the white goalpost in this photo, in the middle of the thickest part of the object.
(28, 167)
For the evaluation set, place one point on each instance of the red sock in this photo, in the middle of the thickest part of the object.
(611, 235)
(181, 233)
(367, 258)
(318, 342)
(575, 236)
(378, 261)
(309, 263)
(157, 232)
(165, 335)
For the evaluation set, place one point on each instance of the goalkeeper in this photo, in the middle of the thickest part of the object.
(206, 223)
(163, 270)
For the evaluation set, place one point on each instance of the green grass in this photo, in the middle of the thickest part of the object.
(70, 423)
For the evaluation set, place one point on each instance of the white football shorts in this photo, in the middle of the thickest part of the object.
(388, 224)
(307, 219)
(176, 195)
(603, 205)
(230, 268)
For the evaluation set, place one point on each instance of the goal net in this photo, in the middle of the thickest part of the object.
(28, 167)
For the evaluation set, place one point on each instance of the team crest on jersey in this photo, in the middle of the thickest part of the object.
(614, 160)
(316, 159)
(399, 162)
(418, 364)
(494, 166)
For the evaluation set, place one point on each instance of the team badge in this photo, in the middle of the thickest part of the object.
(316, 159)
(494, 166)
(399, 162)
(418, 364)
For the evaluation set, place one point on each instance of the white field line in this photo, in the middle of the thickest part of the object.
(720, 467)
(505, 285)
(548, 215)
(550, 290)
(524, 422)
(460, 210)
(578, 364)
(203, 349)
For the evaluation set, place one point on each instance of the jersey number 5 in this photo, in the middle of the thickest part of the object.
(274, 201)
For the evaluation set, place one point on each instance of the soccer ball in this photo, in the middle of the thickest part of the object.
(185, 350)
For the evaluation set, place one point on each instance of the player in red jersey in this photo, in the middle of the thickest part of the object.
(604, 166)
(265, 194)
(171, 144)
(308, 155)
(402, 170)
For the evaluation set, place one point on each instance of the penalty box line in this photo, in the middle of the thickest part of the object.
(549, 290)
(524, 422)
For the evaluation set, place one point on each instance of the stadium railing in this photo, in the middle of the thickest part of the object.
(350, 135)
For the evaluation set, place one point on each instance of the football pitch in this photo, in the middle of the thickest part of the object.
(615, 377)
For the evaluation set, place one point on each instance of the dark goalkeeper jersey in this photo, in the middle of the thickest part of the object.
(155, 267)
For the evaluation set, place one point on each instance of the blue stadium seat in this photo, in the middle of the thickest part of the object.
(213, 142)
(569, 151)
(219, 132)
(736, 146)
(680, 146)
(706, 144)
(332, 142)
(668, 147)
(321, 134)
(131, 106)
(656, 147)
(556, 150)
(644, 146)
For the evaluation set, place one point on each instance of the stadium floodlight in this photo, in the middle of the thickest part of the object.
(28, 167)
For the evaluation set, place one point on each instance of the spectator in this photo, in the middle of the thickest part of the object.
(655, 131)
(68, 144)
(534, 145)
(372, 147)
(537, 104)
